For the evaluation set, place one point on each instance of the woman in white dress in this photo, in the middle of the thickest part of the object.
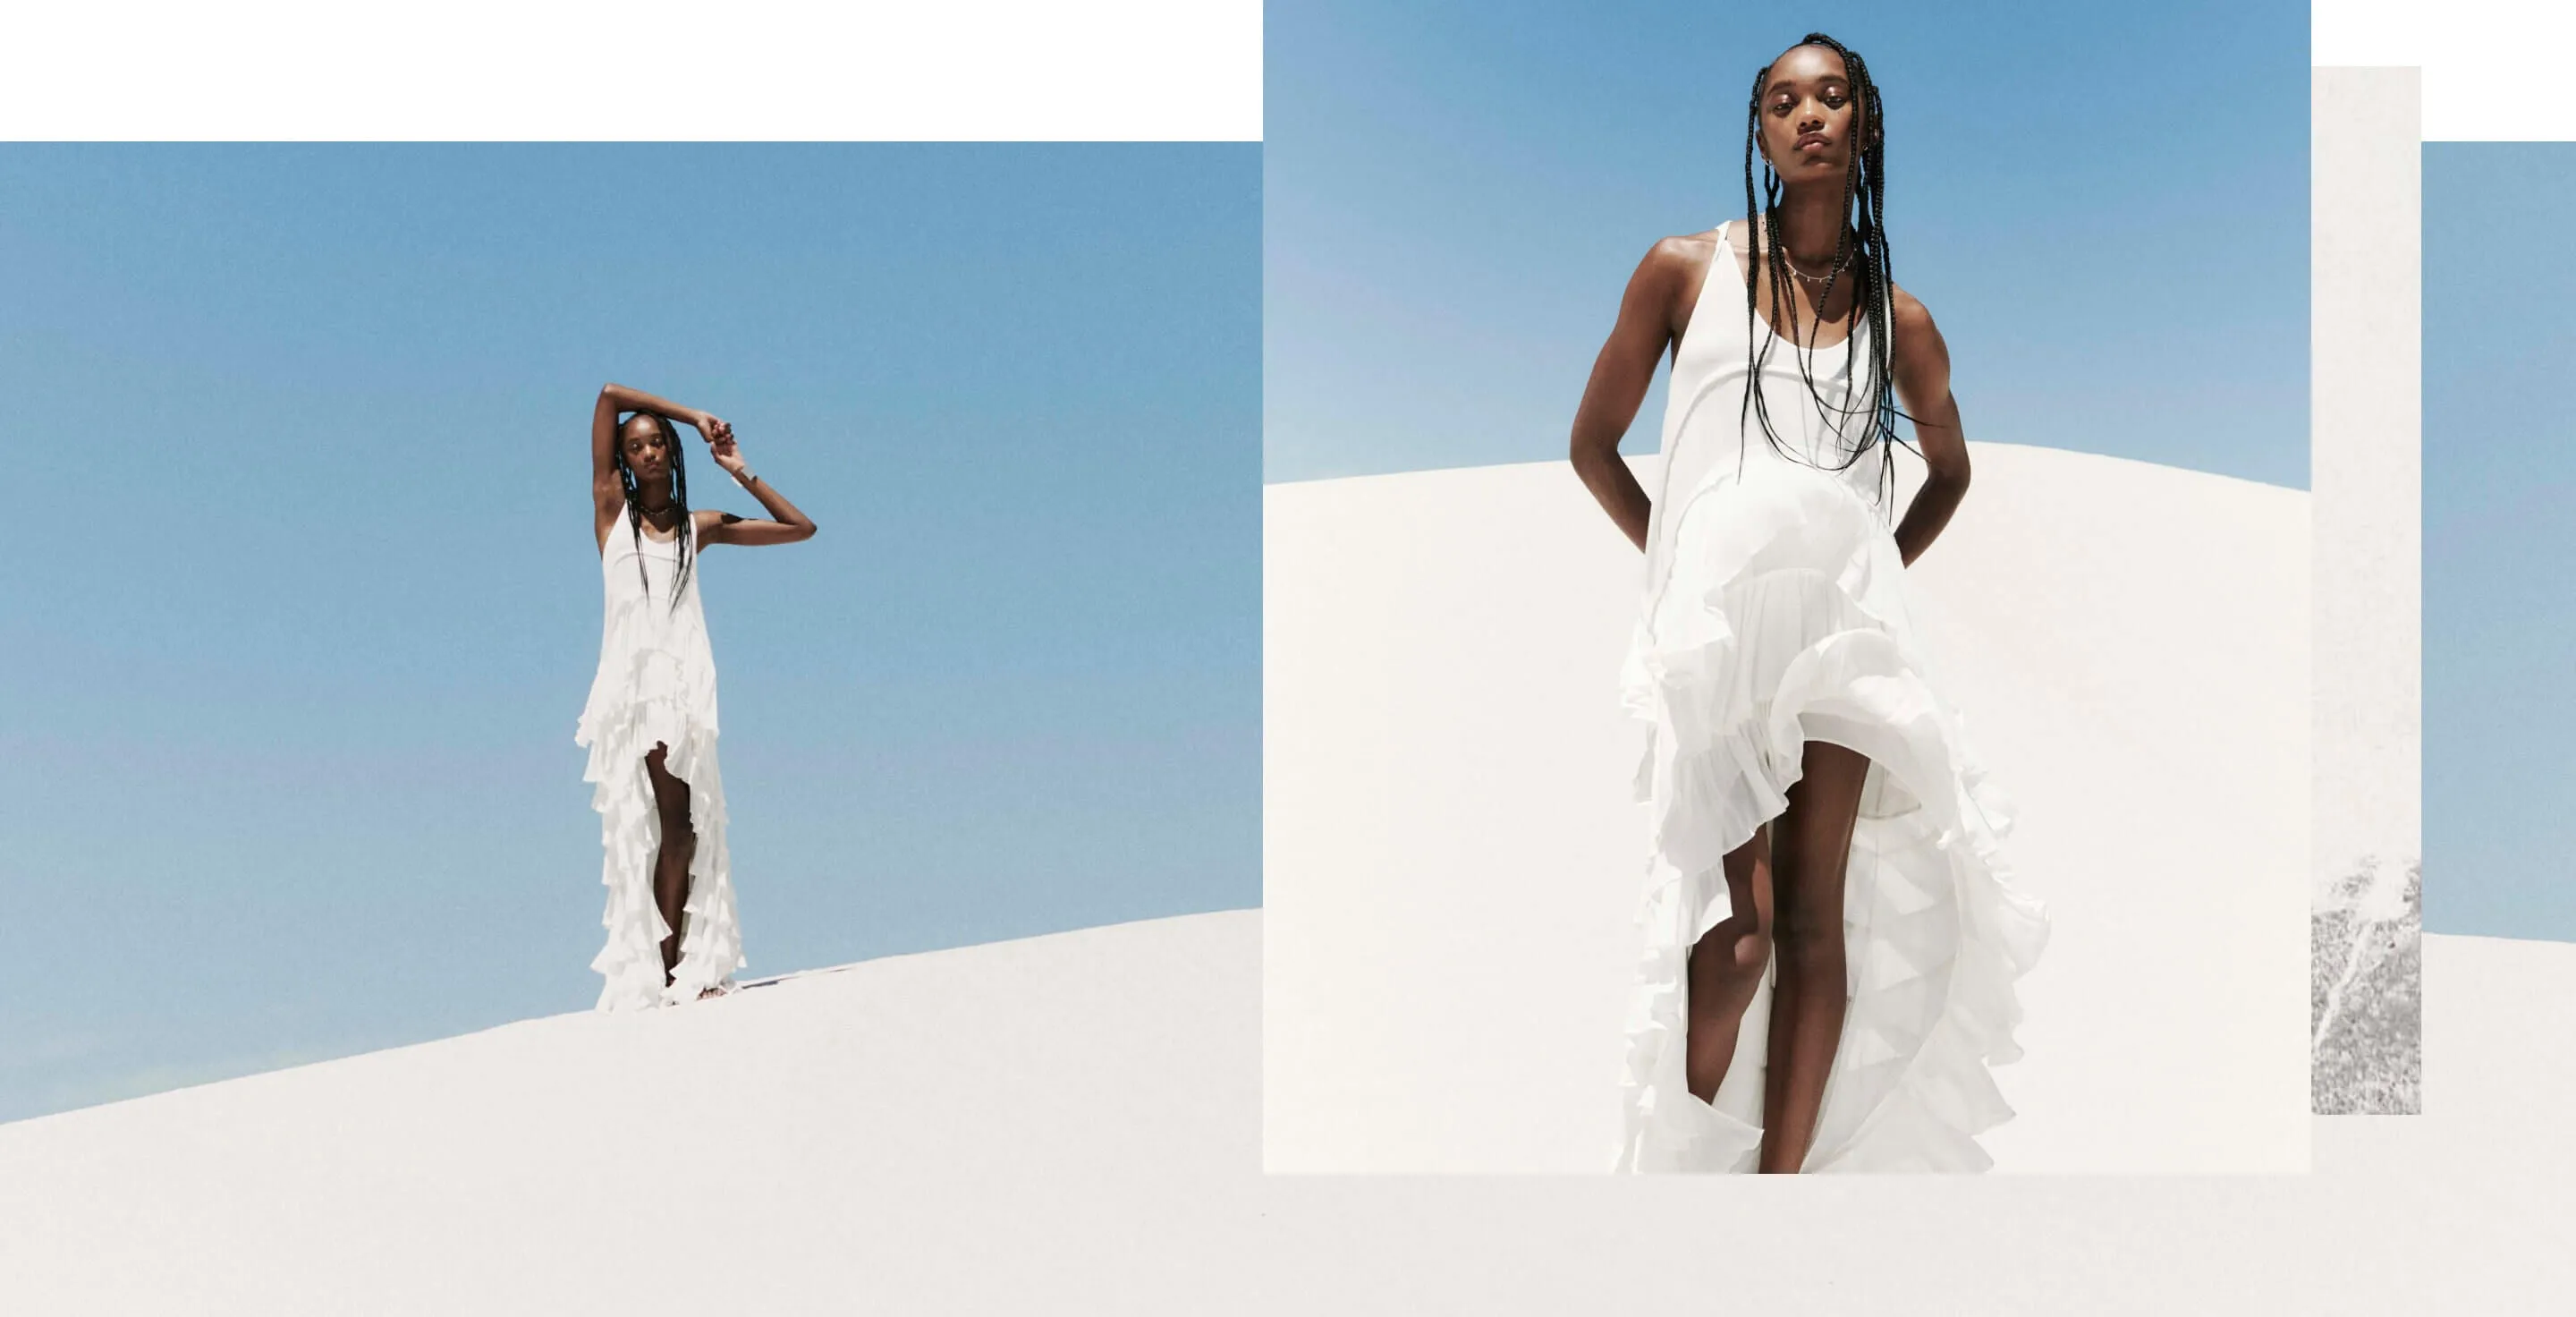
(650, 724)
(1830, 938)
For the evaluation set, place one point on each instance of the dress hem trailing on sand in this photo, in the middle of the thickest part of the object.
(1775, 615)
(656, 686)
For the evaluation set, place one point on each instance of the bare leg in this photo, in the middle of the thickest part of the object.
(671, 865)
(1812, 851)
(1726, 967)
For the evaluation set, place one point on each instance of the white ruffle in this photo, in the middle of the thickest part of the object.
(656, 686)
(1783, 622)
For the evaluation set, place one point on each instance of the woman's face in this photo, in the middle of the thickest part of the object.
(648, 454)
(1809, 115)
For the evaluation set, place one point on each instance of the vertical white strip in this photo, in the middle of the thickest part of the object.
(2366, 483)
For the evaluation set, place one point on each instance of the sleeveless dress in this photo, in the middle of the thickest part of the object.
(1775, 614)
(656, 684)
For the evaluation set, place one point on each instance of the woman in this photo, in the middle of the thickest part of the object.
(650, 725)
(1813, 805)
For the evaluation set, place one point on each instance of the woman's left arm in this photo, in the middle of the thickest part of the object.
(786, 524)
(1921, 364)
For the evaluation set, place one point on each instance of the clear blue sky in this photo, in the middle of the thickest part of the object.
(2499, 563)
(2105, 207)
(303, 601)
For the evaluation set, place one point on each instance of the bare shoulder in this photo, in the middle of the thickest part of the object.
(1914, 342)
(1670, 277)
(1693, 251)
(1690, 246)
(1915, 350)
(1675, 263)
(1908, 314)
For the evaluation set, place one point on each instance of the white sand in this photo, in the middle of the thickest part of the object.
(1452, 861)
(1070, 1124)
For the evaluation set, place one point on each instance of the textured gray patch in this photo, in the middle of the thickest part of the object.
(2365, 993)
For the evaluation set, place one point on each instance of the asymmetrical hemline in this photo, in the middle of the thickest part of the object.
(656, 687)
(1775, 614)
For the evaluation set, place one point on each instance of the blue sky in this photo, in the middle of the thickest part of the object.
(304, 602)
(2499, 564)
(2105, 207)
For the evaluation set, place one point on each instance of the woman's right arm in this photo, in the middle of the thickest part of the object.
(1620, 377)
(607, 490)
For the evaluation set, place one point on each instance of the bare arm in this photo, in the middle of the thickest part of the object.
(785, 526)
(607, 491)
(1921, 363)
(1623, 371)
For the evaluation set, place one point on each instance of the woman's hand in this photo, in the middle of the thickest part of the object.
(721, 443)
(785, 525)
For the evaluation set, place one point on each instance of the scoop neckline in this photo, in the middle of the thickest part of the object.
(1744, 273)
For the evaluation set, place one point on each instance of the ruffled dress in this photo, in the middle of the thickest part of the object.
(656, 685)
(1775, 614)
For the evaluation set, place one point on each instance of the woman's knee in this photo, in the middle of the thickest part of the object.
(678, 836)
(1733, 953)
(1751, 947)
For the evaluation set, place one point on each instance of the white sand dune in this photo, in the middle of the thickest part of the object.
(1452, 862)
(1071, 1124)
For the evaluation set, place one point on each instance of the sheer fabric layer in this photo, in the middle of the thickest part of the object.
(656, 686)
(1776, 616)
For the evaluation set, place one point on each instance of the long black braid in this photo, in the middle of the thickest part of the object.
(1860, 246)
(679, 500)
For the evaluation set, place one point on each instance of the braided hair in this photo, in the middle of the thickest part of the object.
(679, 499)
(1860, 247)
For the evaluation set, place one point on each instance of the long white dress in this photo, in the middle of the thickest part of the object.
(656, 685)
(1775, 614)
